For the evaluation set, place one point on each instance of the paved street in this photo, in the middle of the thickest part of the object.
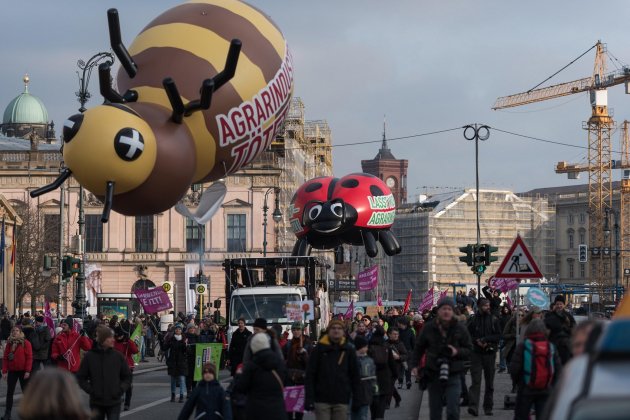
(151, 397)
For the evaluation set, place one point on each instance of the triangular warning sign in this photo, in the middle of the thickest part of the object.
(518, 263)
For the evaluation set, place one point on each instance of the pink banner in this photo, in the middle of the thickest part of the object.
(294, 399)
(504, 285)
(48, 319)
(427, 301)
(153, 300)
(379, 301)
(368, 279)
(76, 326)
(443, 294)
(350, 312)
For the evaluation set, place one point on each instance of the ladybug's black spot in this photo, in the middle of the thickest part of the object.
(350, 183)
(313, 187)
(376, 191)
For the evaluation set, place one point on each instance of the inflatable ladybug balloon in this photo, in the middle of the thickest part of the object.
(202, 91)
(358, 209)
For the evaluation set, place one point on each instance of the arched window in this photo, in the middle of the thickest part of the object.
(571, 234)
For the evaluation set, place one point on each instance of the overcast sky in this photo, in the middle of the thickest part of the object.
(427, 66)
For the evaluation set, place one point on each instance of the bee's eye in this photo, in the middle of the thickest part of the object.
(129, 144)
(71, 127)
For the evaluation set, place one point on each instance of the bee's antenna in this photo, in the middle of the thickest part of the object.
(119, 48)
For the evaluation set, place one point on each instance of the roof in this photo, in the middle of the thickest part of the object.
(25, 109)
(19, 144)
(384, 154)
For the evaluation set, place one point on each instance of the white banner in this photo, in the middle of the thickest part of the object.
(190, 270)
(93, 282)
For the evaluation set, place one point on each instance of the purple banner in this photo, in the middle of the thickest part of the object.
(153, 300)
(427, 301)
(48, 319)
(368, 279)
(504, 285)
(294, 399)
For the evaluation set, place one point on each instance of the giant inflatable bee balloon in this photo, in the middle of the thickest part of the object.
(358, 209)
(204, 88)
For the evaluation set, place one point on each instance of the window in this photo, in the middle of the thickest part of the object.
(52, 224)
(571, 269)
(570, 219)
(582, 236)
(236, 233)
(144, 233)
(194, 241)
(571, 239)
(582, 218)
(93, 233)
(582, 270)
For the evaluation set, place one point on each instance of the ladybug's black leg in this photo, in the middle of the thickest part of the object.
(115, 39)
(105, 84)
(301, 248)
(369, 242)
(389, 242)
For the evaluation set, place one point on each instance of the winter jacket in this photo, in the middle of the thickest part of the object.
(40, 341)
(560, 327)
(262, 382)
(509, 337)
(22, 357)
(516, 365)
(484, 327)
(208, 397)
(176, 361)
(381, 353)
(296, 359)
(5, 328)
(434, 343)
(407, 337)
(401, 350)
(237, 348)
(207, 336)
(66, 349)
(191, 351)
(367, 384)
(127, 348)
(275, 346)
(332, 375)
(104, 375)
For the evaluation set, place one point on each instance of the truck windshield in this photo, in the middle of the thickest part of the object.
(250, 307)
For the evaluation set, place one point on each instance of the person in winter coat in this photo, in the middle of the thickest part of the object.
(560, 324)
(383, 358)
(127, 348)
(332, 376)
(504, 318)
(208, 399)
(67, 345)
(537, 394)
(5, 328)
(191, 351)
(362, 400)
(443, 340)
(296, 354)
(262, 381)
(40, 342)
(494, 296)
(237, 345)
(407, 338)
(104, 375)
(17, 363)
(400, 355)
(176, 361)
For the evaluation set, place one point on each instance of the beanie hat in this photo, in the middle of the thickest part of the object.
(360, 342)
(178, 325)
(559, 298)
(260, 323)
(210, 368)
(260, 341)
(26, 321)
(297, 325)
(39, 318)
(103, 333)
(191, 325)
(69, 321)
(336, 322)
(446, 301)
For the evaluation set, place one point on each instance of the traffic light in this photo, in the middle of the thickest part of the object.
(71, 265)
(489, 250)
(479, 258)
(468, 250)
(583, 253)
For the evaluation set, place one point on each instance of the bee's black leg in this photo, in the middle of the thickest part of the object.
(118, 47)
(65, 174)
(109, 199)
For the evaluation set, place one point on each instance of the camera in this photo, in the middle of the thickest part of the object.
(444, 369)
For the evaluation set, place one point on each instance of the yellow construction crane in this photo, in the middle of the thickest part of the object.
(600, 163)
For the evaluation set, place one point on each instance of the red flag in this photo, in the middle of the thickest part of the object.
(407, 302)
(443, 294)
(427, 301)
(350, 312)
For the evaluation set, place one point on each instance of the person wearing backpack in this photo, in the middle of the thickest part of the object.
(383, 357)
(362, 400)
(534, 368)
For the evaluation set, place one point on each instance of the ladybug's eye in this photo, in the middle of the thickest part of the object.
(315, 211)
(337, 209)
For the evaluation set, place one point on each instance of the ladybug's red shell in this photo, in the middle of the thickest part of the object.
(313, 190)
(370, 197)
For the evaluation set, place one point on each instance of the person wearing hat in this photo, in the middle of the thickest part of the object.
(177, 360)
(560, 324)
(445, 342)
(40, 340)
(192, 338)
(260, 326)
(485, 332)
(209, 400)
(104, 375)
(127, 348)
(238, 344)
(67, 346)
(262, 380)
(332, 375)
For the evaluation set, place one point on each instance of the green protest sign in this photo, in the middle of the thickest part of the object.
(204, 353)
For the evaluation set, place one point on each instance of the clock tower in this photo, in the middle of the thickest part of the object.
(391, 170)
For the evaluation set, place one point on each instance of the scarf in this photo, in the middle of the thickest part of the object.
(15, 341)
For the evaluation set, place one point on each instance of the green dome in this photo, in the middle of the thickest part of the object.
(25, 109)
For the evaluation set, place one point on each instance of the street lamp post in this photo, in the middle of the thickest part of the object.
(617, 247)
(83, 95)
(276, 216)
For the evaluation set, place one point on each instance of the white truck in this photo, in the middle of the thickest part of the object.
(254, 289)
